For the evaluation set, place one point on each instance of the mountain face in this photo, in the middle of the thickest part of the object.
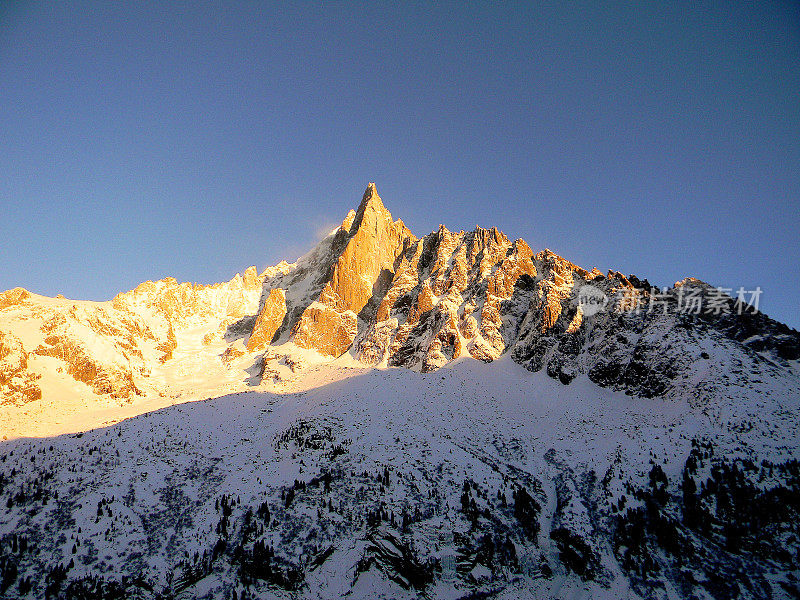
(551, 431)
(388, 298)
(380, 295)
(61, 359)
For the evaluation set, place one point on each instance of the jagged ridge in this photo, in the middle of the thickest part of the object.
(392, 299)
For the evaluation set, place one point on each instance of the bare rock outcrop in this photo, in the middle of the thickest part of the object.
(365, 268)
(17, 384)
(98, 345)
(269, 320)
(117, 381)
(343, 281)
(326, 330)
(448, 299)
(13, 297)
(168, 346)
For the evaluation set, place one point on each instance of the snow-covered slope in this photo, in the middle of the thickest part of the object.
(395, 484)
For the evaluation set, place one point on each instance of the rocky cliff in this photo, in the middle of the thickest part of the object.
(374, 290)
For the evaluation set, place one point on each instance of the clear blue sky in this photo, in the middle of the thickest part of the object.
(144, 140)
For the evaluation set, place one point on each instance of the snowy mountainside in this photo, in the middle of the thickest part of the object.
(374, 294)
(64, 360)
(472, 481)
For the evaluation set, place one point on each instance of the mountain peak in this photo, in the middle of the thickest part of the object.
(370, 192)
(371, 201)
(362, 272)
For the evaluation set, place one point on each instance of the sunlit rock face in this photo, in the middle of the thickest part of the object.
(269, 320)
(13, 297)
(392, 298)
(465, 294)
(362, 272)
(17, 384)
(114, 380)
(444, 302)
(325, 329)
(365, 268)
(91, 343)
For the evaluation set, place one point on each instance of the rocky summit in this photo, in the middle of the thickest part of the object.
(388, 298)
(451, 416)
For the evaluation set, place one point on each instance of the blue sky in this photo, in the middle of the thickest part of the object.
(144, 140)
